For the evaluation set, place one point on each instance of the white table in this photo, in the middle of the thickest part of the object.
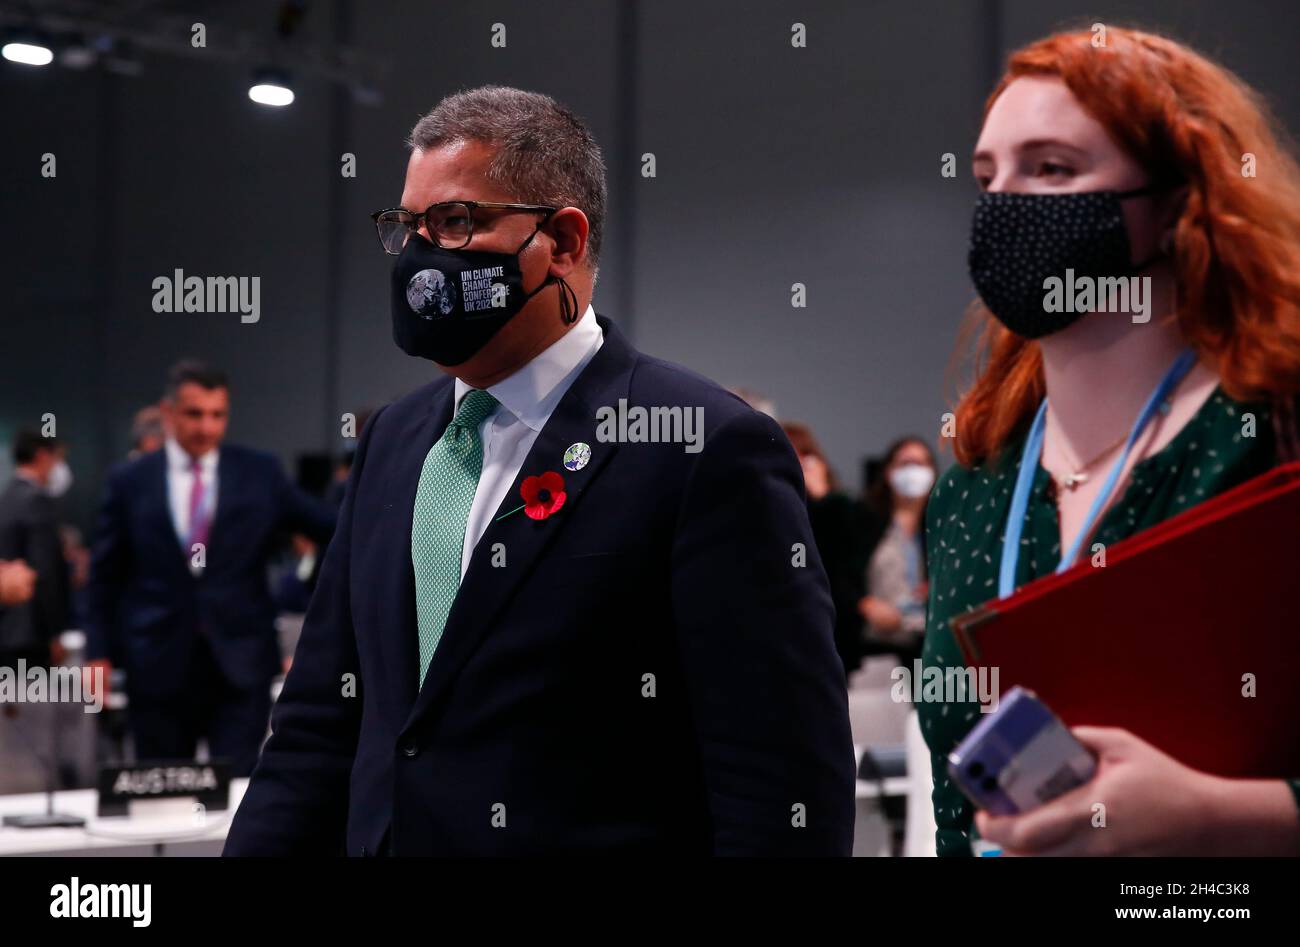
(172, 826)
(155, 827)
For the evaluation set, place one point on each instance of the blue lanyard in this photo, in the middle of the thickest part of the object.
(1033, 452)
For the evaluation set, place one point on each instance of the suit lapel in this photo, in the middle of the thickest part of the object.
(160, 487)
(397, 625)
(485, 589)
(228, 474)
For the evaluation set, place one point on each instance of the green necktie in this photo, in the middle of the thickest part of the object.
(442, 502)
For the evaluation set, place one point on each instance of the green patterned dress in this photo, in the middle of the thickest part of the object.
(966, 519)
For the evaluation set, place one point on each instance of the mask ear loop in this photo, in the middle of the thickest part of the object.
(1162, 250)
(568, 298)
(1148, 190)
(568, 301)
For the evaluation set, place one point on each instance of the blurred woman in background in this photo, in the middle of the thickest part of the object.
(896, 586)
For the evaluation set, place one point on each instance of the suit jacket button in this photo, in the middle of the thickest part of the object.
(410, 750)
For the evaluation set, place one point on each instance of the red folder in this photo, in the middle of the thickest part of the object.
(1160, 639)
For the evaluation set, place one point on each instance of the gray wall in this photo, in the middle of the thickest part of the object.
(820, 166)
(774, 165)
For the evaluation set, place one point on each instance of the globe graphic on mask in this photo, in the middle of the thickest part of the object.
(430, 294)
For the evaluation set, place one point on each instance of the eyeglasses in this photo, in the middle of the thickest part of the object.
(450, 224)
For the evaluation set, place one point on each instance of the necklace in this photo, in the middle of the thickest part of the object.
(1079, 473)
(1031, 456)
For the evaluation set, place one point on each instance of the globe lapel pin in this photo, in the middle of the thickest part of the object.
(577, 456)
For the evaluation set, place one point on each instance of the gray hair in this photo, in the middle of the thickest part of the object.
(544, 153)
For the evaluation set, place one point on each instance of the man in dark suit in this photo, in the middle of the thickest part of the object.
(21, 772)
(179, 589)
(29, 531)
(552, 621)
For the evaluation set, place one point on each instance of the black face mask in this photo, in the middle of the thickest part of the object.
(447, 304)
(1018, 241)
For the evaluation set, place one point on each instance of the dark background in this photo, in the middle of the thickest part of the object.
(774, 165)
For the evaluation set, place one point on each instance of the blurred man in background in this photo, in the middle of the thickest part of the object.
(29, 531)
(36, 609)
(17, 770)
(179, 589)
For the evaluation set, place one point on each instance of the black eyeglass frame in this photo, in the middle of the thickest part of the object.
(418, 219)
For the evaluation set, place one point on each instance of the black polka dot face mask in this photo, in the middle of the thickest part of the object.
(1019, 241)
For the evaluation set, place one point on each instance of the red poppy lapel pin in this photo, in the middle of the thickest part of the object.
(542, 496)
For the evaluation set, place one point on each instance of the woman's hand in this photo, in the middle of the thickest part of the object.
(880, 615)
(1151, 805)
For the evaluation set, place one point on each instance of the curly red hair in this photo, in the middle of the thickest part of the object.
(1191, 122)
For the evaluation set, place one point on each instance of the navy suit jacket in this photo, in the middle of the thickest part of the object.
(146, 609)
(647, 670)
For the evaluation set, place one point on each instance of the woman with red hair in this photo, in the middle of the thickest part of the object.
(1131, 161)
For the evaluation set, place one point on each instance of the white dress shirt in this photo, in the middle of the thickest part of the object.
(527, 399)
(180, 480)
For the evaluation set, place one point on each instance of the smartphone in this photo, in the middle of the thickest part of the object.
(1019, 757)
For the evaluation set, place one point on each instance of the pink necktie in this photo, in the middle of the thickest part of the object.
(198, 510)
